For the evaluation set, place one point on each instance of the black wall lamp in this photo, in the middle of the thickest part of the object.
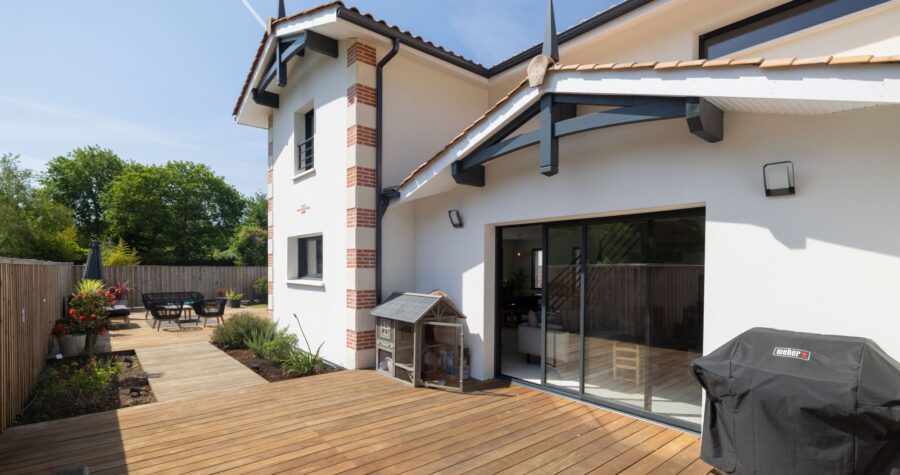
(455, 218)
(779, 178)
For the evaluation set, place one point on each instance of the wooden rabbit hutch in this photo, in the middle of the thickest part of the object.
(419, 340)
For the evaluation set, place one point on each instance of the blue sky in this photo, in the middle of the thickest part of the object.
(155, 80)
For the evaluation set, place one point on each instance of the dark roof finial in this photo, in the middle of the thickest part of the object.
(281, 13)
(551, 48)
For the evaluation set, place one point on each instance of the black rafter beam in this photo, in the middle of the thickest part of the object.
(551, 114)
(285, 49)
(705, 120)
(561, 112)
(620, 116)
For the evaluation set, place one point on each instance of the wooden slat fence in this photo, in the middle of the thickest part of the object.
(208, 280)
(32, 297)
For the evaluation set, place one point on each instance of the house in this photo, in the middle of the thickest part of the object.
(603, 207)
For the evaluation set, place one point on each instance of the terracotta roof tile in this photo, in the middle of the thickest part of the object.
(861, 59)
(777, 63)
(645, 64)
(747, 62)
(885, 59)
(603, 66)
(817, 61)
(717, 63)
(666, 65)
(694, 63)
(585, 67)
(623, 65)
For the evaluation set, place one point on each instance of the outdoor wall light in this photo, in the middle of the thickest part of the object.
(779, 178)
(455, 218)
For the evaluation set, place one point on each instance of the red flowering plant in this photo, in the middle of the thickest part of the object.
(88, 308)
(119, 290)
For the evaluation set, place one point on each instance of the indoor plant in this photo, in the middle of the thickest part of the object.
(234, 299)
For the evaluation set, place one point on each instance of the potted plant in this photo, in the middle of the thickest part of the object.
(234, 299)
(88, 310)
(120, 293)
(70, 343)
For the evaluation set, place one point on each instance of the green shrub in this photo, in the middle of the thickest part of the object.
(238, 329)
(261, 289)
(281, 346)
(259, 338)
(303, 362)
(67, 387)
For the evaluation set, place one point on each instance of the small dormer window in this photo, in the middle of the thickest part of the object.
(305, 149)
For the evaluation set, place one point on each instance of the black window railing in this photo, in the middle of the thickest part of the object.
(305, 155)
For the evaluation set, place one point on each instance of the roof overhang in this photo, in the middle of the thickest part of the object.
(800, 90)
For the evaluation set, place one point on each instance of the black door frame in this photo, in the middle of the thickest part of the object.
(582, 263)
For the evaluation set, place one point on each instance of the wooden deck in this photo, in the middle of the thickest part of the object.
(354, 422)
(182, 363)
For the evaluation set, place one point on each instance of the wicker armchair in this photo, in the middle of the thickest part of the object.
(170, 311)
(210, 308)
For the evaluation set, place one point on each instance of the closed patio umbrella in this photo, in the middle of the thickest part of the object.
(93, 268)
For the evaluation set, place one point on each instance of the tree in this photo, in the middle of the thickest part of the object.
(79, 180)
(249, 245)
(180, 212)
(257, 213)
(120, 255)
(31, 225)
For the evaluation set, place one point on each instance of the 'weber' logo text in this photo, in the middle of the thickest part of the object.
(791, 353)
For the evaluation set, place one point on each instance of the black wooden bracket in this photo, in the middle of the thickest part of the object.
(704, 119)
(285, 49)
(558, 118)
(472, 176)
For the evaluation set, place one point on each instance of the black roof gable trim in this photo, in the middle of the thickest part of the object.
(364, 21)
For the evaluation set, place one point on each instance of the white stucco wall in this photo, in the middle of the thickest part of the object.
(825, 260)
(318, 81)
(424, 108)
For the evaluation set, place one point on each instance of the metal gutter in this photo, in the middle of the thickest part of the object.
(380, 203)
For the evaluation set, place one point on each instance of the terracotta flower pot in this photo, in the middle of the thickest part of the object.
(71, 345)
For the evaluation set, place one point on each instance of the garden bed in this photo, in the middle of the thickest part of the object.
(271, 370)
(73, 387)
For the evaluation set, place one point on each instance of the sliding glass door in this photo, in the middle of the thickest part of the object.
(621, 312)
(562, 338)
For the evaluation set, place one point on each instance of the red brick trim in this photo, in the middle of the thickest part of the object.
(360, 299)
(360, 134)
(271, 232)
(360, 218)
(362, 93)
(271, 260)
(363, 340)
(270, 177)
(360, 52)
(360, 258)
(361, 176)
(271, 288)
(271, 205)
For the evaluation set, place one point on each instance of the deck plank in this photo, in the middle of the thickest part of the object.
(209, 421)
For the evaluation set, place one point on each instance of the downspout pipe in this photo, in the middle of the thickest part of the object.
(380, 204)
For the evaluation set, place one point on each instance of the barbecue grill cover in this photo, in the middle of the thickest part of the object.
(782, 402)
